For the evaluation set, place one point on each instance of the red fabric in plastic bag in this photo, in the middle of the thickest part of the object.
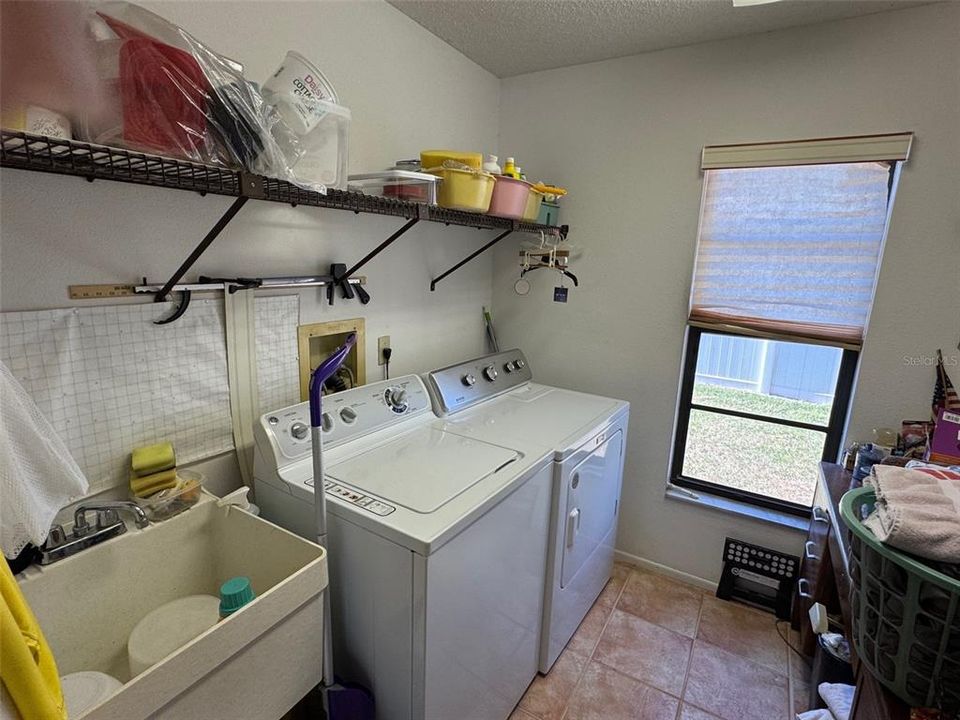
(163, 93)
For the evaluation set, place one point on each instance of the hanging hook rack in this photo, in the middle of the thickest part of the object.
(517, 227)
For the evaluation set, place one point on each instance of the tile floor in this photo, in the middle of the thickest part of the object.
(652, 648)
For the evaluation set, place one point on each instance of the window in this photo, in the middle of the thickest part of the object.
(789, 248)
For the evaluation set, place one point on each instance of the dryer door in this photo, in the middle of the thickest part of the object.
(593, 492)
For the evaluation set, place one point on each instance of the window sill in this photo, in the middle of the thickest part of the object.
(736, 507)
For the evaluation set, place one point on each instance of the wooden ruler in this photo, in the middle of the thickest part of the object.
(88, 292)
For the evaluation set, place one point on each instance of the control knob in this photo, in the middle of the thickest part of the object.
(396, 399)
(348, 415)
(326, 422)
(490, 373)
(468, 379)
(519, 364)
(299, 430)
(508, 366)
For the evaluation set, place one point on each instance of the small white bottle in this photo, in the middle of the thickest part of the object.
(490, 165)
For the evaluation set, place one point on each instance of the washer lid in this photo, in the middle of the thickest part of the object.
(423, 470)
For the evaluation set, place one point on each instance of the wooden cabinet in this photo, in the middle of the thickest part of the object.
(824, 578)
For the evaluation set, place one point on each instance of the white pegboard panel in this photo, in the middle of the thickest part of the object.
(108, 380)
(278, 358)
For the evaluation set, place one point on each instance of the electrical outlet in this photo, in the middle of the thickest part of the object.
(382, 342)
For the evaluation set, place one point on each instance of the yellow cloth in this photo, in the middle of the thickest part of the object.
(27, 666)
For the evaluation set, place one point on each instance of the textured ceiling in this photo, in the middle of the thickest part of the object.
(511, 37)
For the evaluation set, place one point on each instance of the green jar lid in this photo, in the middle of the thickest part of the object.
(234, 594)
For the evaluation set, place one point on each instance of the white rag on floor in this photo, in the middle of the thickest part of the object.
(838, 697)
(916, 512)
(38, 476)
(815, 715)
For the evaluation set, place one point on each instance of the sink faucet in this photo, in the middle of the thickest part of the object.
(108, 525)
(81, 527)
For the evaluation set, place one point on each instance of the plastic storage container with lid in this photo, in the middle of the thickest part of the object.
(468, 190)
(509, 198)
(398, 185)
(167, 503)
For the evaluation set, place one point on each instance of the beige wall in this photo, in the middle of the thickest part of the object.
(407, 90)
(625, 135)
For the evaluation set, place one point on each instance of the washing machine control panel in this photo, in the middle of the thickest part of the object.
(346, 415)
(459, 386)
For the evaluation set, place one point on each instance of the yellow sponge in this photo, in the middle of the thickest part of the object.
(152, 459)
(151, 484)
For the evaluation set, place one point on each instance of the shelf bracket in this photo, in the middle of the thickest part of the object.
(468, 258)
(340, 279)
(234, 208)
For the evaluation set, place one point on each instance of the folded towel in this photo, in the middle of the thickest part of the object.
(815, 715)
(838, 697)
(916, 512)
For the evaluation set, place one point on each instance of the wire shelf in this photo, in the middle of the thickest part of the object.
(88, 160)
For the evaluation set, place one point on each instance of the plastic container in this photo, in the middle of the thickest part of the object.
(466, 190)
(549, 213)
(299, 91)
(906, 615)
(436, 158)
(490, 165)
(532, 210)
(168, 628)
(167, 503)
(398, 184)
(509, 198)
(323, 151)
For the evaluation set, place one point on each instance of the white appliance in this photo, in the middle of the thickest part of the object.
(437, 547)
(493, 399)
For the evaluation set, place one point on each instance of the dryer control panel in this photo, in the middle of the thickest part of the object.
(347, 415)
(460, 386)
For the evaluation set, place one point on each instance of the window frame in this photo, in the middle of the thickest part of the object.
(833, 430)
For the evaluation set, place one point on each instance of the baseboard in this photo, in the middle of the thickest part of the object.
(666, 570)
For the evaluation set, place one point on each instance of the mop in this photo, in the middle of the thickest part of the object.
(342, 701)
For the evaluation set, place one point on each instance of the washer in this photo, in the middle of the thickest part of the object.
(437, 545)
(493, 399)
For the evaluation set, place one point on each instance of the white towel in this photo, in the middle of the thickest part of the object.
(38, 476)
(816, 715)
(838, 697)
(916, 512)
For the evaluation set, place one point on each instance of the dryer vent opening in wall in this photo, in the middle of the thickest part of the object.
(758, 576)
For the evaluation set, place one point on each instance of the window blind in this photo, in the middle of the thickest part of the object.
(892, 147)
(791, 251)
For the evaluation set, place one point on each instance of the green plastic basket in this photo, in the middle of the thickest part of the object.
(906, 615)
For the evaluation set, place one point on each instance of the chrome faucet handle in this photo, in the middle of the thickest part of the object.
(106, 518)
(81, 527)
(55, 537)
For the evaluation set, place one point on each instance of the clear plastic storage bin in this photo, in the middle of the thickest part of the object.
(167, 503)
(398, 185)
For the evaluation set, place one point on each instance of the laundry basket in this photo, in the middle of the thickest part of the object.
(906, 615)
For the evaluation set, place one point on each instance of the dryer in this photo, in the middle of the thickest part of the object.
(494, 399)
(437, 546)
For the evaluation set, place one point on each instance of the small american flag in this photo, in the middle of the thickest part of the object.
(944, 394)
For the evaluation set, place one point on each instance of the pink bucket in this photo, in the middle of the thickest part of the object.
(509, 198)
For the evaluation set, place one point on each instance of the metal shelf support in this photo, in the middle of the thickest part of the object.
(201, 248)
(377, 250)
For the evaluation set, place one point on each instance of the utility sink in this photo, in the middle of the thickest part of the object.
(257, 663)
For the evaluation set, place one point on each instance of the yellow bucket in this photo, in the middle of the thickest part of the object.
(532, 210)
(464, 189)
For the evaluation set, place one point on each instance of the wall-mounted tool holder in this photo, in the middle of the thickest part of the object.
(211, 284)
(26, 151)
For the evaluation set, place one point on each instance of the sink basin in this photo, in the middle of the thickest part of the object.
(257, 663)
